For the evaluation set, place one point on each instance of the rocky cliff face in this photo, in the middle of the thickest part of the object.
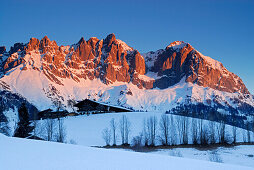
(2, 49)
(180, 60)
(50, 76)
(112, 60)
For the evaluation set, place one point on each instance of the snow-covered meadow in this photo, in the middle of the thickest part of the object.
(87, 131)
(25, 154)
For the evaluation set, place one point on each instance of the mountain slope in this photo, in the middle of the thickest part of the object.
(110, 71)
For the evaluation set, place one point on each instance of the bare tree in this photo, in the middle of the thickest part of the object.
(58, 104)
(185, 129)
(50, 126)
(204, 140)
(248, 132)
(125, 129)
(244, 135)
(71, 103)
(106, 135)
(35, 131)
(165, 129)
(203, 133)
(194, 129)
(152, 129)
(145, 133)
(113, 129)
(221, 131)
(39, 129)
(182, 125)
(234, 132)
(172, 132)
(179, 122)
(212, 135)
(61, 136)
(234, 129)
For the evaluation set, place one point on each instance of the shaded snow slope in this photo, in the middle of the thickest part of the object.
(26, 154)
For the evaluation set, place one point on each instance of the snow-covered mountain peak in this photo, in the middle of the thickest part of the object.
(124, 45)
(100, 68)
(177, 45)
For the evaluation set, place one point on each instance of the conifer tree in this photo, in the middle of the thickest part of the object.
(24, 127)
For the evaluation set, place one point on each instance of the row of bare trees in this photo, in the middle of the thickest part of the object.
(111, 133)
(174, 130)
(50, 130)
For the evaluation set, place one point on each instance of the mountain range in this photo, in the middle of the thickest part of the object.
(50, 76)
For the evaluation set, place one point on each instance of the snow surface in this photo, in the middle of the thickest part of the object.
(24, 154)
(150, 57)
(124, 45)
(87, 131)
(36, 88)
(238, 155)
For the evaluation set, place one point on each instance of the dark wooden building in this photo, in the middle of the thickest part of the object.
(90, 106)
(49, 113)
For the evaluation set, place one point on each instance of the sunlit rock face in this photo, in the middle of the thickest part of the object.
(111, 60)
(180, 60)
(108, 70)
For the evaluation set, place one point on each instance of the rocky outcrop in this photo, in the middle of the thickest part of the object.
(180, 60)
(112, 60)
(2, 49)
(16, 47)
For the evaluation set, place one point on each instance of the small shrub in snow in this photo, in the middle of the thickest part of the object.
(136, 142)
(73, 142)
(215, 157)
(176, 153)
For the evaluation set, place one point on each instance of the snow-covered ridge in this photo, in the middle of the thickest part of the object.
(124, 45)
(61, 73)
(151, 56)
(177, 45)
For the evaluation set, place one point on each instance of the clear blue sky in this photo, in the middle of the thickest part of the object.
(221, 29)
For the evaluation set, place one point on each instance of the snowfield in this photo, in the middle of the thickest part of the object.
(24, 154)
(87, 131)
(41, 92)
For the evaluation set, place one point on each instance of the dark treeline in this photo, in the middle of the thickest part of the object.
(26, 127)
(202, 111)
